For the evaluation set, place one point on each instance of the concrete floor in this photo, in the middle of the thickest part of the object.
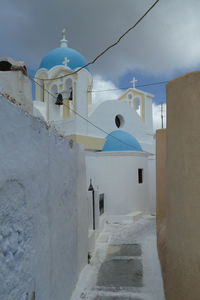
(125, 265)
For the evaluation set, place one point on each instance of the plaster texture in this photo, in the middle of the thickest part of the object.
(151, 175)
(17, 88)
(161, 199)
(43, 209)
(183, 188)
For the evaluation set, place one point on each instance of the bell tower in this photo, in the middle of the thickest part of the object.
(62, 90)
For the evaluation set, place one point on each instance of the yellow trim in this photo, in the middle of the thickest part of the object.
(66, 110)
(134, 92)
(74, 98)
(143, 108)
(90, 143)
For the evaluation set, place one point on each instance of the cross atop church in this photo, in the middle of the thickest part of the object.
(134, 82)
(63, 42)
(65, 62)
(64, 34)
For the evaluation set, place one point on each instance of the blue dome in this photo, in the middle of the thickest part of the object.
(121, 141)
(56, 57)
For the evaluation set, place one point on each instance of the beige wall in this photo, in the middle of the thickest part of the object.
(183, 188)
(161, 205)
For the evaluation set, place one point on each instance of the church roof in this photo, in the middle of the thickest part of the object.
(63, 56)
(58, 57)
(119, 140)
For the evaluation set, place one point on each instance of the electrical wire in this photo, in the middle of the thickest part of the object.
(82, 117)
(125, 88)
(90, 63)
(109, 47)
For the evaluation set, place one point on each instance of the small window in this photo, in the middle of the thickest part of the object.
(101, 204)
(119, 121)
(140, 175)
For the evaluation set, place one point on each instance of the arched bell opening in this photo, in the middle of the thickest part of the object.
(68, 98)
(137, 105)
(59, 100)
(68, 89)
(5, 66)
(54, 108)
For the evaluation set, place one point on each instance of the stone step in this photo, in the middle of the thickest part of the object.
(124, 219)
(103, 295)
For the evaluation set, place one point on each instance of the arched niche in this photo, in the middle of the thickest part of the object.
(69, 99)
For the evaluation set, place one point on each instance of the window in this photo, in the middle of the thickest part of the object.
(140, 175)
(101, 204)
(119, 121)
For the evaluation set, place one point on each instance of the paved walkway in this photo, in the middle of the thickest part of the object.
(125, 265)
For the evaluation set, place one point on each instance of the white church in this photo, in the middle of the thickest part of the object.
(117, 135)
(69, 165)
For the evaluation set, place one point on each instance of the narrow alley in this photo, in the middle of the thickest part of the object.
(124, 266)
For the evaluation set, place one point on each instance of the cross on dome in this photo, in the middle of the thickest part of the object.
(65, 62)
(134, 82)
(64, 33)
(63, 42)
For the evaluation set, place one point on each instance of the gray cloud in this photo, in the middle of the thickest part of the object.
(166, 40)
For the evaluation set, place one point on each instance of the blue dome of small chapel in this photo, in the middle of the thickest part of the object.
(119, 140)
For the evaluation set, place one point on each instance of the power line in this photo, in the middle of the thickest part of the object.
(90, 63)
(125, 88)
(109, 47)
(82, 117)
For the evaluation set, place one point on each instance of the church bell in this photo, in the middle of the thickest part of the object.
(59, 100)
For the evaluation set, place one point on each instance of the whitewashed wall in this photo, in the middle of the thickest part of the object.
(17, 86)
(43, 209)
(116, 175)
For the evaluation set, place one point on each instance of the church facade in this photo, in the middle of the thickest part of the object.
(117, 135)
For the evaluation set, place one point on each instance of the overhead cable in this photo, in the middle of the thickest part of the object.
(109, 47)
(125, 88)
(82, 117)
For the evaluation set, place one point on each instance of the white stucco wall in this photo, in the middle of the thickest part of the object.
(43, 209)
(18, 87)
(116, 175)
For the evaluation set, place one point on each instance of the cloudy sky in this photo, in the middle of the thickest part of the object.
(164, 45)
